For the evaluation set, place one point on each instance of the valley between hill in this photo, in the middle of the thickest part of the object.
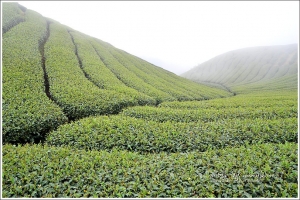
(81, 118)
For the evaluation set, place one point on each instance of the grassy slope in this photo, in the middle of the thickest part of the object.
(249, 171)
(78, 75)
(250, 68)
(288, 82)
(15, 15)
(241, 146)
(26, 110)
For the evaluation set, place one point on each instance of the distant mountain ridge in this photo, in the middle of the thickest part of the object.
(248, 67)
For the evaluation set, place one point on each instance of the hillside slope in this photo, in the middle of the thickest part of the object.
(250, 68)
(53, 74)
(115, 126)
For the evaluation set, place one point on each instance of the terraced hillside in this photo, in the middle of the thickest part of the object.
(53, 74)
(242, 146)
(250, 69)
(81, 118)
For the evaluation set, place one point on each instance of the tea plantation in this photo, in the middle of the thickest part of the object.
(81, 118)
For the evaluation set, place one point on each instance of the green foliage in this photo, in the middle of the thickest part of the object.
(252, 100)
(12, 15)
(127, 77)
(206, 115)
(27, 113)
(269, 68)
(275, 85)
(180, 88)
(241, 146)
(74, 93)
(125, 133)
(153, 76)
(92, 65)
(161, 91)
(262, 170)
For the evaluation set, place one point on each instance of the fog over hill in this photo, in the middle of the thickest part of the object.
(83, 118)
(248, 66)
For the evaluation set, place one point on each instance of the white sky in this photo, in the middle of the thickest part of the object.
(178, 35)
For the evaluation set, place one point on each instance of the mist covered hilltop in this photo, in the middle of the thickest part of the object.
(264, 67)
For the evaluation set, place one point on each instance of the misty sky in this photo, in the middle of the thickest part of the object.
(178, 35)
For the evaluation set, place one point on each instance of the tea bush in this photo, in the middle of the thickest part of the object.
(125, 133)
(163, 114)
(92, 65)
(127, 77)
(75, 94)
(27, 112)
(162, 93)
(169, 79)
(266, 99)
(242, 146)
(264, 170)
(13, 15)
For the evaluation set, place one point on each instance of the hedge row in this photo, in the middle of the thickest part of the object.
(162, 82)
(164, 94)
(178, 93)
(69, 87)
(283, 99)
(100, 75)
(277, 85)
(126, 76)
(12, 15)
(27, 112)
(198, 91)
(159, 83)
(205, 115)
(125, 133)
(264, 170)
